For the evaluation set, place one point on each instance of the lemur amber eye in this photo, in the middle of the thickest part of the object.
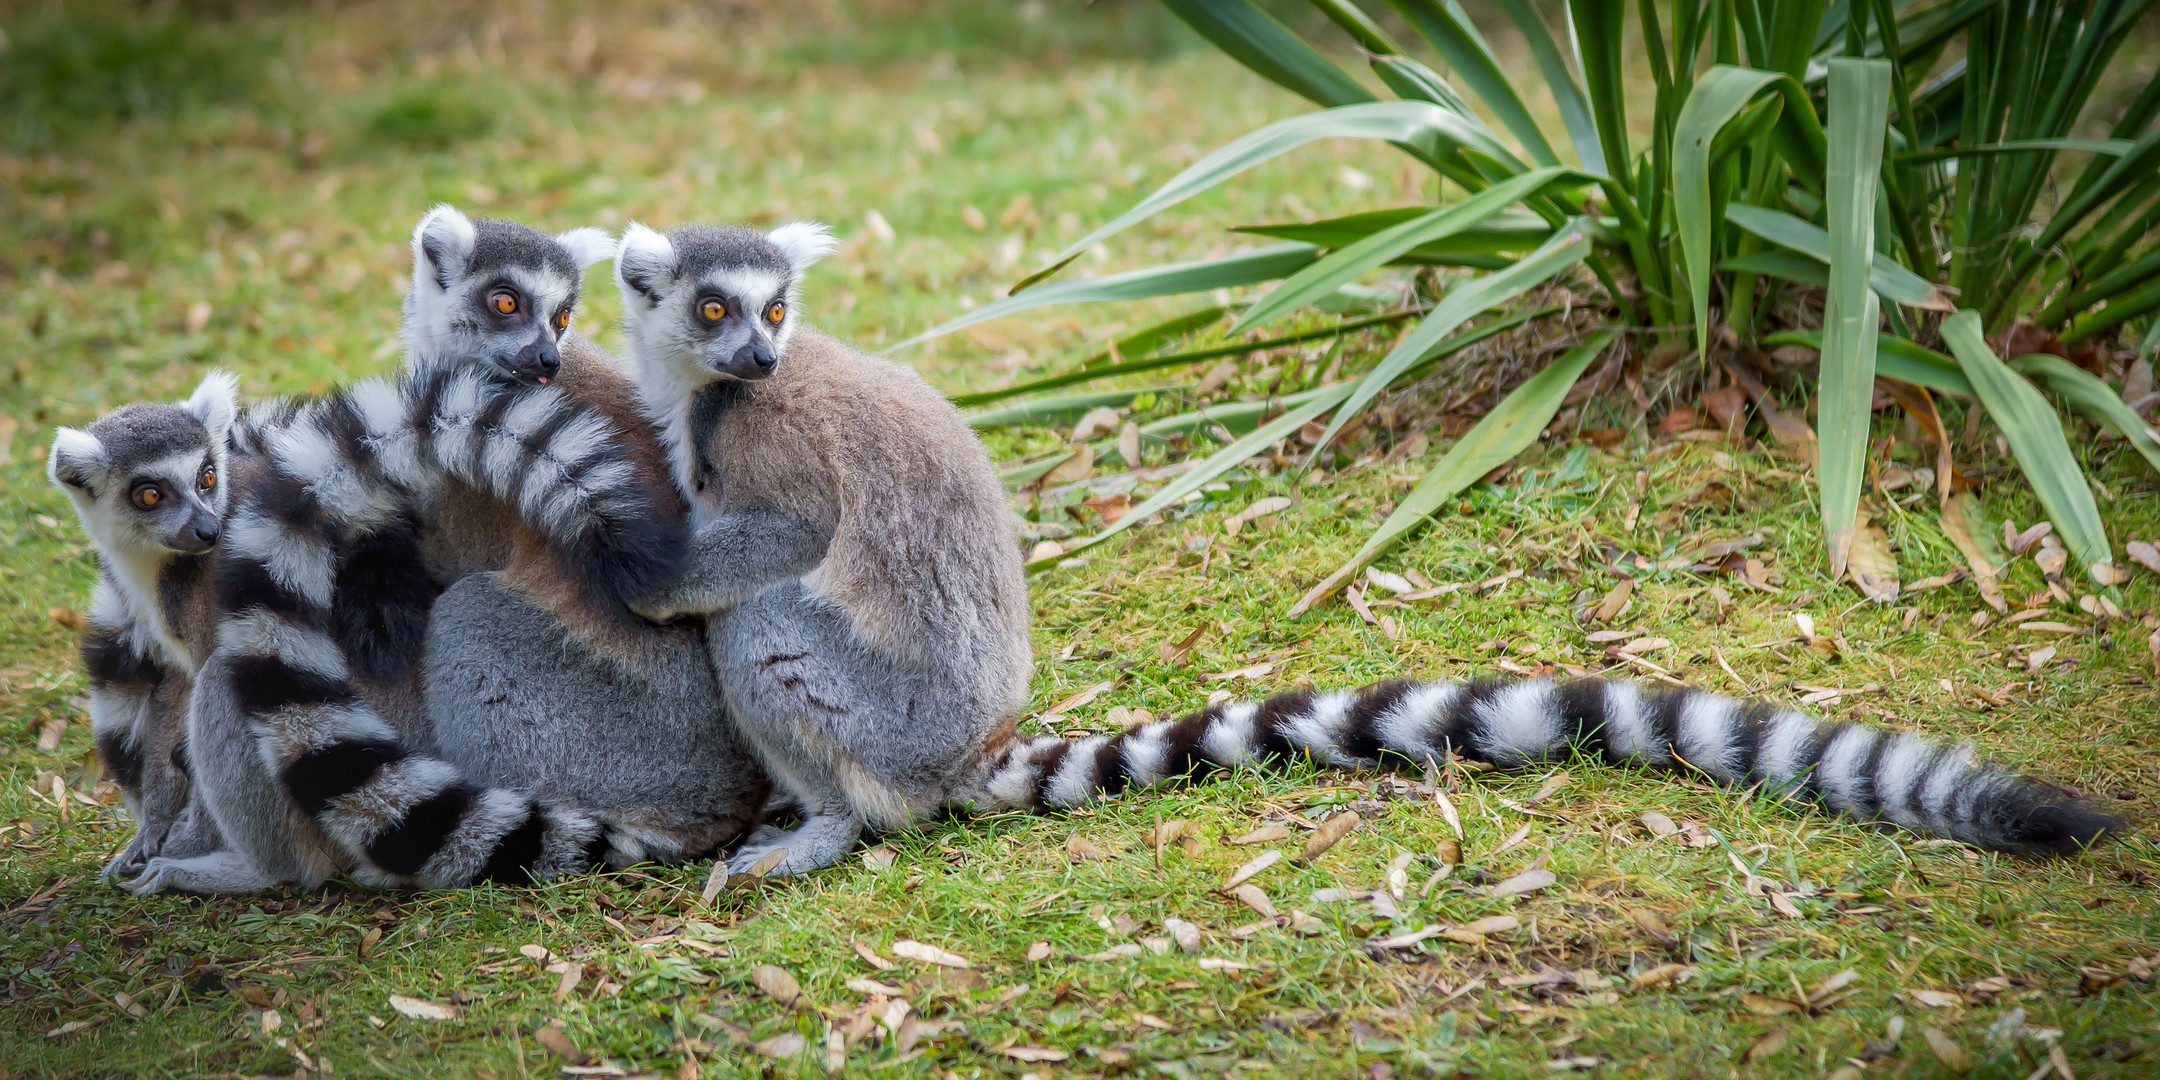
(208, 479)
(776, 312)
(503, 301)
(712, 311)
(562, 320)
(146, 496)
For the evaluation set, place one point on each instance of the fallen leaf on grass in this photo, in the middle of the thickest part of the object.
(1078, 698)
(1609, 608)
(1038, 952)
(1966, 526)
(1517, 837)
(69, 617)
(776, 982)
(1447, 812)
(1659, 825)
(420, 1008)
(1259, 509)
(1552, 783)
(1949, 1053)
(2144, 554)
(1185, 934)
(1098, 421)
(1253, 672)
(1245, 873)
(1252, 897)
(1265, 834)
(1870, 565)
(1329, 834)
(558, 1043)
(1114, 952)
(788, 1044)
(1078, 847)
(1526, 882)
(929, 954)
(1216, 963)
(1822, 990)
(1661, 974)
(1076, 466)
(2018, 542)
(1405, 940)
(1643, 645)
(71, 1027)
(1764, 1005)
(1032, 1053)
(1174, 655)
(1935, 999)
(1653, 925)
(1770, 1043)
(872, 986)
(1491, 924)
(870, 957)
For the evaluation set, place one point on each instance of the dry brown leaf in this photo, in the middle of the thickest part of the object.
(1115, 952)
(929, 954)
(1920, 405)
(1265, 834)
(1764, 1005)
(1966, 526)
(1609, 608)
(2144, 554)
(1653, 925)
(1038, 952)
(1643, 645)
(1949, 1053)
(1526, 882)
(1097, 421)
(1174, 655)
(1832, 985)
(1168, 832)
(1111, 507)
(1517, 837)
(1935, 999)
(1078, 698)
(49, 736)
(1660, 975)
(2017, 542)
(1217, 963)
(1783, 904)
(1770, 1043)
(419, 1008)
(1128, 444)
(1659, 825)
(558, 1043)
(1245, 873)
(69, 617)
(1448, 814)
(1792, 434)
(1448, 851)
(1032, 1053)
(870, 957)
(1491, 924)
(1329, 834)
(788, 1044)
(1185, 934)
(1078, 847)
(572, 974)
(1077, 466)
(1869, 564)
(777, 983)
(1251, 896)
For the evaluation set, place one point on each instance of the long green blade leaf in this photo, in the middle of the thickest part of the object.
(1253, 38)
(1157, 363)
(1510, 230)
(1243, 268)
(1051, 410)
(1501, 434)
(1889, 280)
(1895, 358)
(1417, 123)
(1567, 247)
(2036, 440)
(1859, 116)
(1567, 94)
(1466, 53)
(2087, 394)
(1718, 97)
(1338, 269)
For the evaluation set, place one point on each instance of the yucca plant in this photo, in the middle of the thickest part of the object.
(1792, 144)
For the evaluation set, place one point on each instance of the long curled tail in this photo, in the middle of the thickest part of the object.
(1855, 769)
(321, 587)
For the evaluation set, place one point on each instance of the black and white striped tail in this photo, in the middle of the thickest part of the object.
(321, 586)
(1855, 769)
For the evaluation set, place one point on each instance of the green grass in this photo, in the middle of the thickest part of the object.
(286, 215)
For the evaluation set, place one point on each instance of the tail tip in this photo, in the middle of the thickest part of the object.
(2061, 826)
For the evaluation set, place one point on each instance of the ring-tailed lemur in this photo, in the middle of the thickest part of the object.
(882, 683)
(326, 585)
(147, 481)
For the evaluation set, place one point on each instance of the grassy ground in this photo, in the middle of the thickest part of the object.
(250, 211)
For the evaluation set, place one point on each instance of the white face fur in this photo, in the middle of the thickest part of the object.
(493, 293)
(148, 481)
(714, 302)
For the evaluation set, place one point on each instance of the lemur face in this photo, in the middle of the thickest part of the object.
(715, 301)
(145, 478)
(494, 293)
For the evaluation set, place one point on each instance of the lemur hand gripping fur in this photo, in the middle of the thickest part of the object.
(882, 684)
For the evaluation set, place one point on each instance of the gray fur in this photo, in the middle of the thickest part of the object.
(876, 648)
(517, 701)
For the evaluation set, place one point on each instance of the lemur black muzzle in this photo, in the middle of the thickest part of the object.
(199, 534)
(753, 361)
(537, 362)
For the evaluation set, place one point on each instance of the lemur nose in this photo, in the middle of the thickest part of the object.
(207, 534)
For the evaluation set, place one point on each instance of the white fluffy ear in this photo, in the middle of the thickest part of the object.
(215, 402)
(441, 244)
(77, 459)
(804, 242)
(644, 261)
(587, 245)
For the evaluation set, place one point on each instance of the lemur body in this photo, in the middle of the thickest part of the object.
(147, 482)
(327, 583)
(855, 553)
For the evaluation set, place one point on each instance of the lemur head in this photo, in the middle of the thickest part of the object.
(715, 301)
(494, 293)
(149, 479)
